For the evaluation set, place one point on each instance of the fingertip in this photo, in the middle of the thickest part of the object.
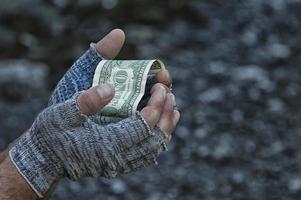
(111, 44)
(94, 99)
(118, 33)
(164, 77)
(118, 36)
(105, 91)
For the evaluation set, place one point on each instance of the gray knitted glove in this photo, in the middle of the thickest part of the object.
(63, 142)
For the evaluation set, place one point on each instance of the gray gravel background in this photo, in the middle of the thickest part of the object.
(236, 69)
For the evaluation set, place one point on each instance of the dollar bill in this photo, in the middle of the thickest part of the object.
(129, 78)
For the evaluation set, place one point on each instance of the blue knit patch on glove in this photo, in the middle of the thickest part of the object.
(79, 77)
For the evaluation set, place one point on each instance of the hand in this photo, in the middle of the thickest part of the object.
(80, 76)
(63, 142)
(159, 109)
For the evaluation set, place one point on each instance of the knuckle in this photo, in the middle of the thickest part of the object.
(158, 106)
(156, 87)
(156, 111)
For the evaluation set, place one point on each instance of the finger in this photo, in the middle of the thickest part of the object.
(164, 77)
(157, 85)
(152, 112)
(148, 93)
(111, 44)
(166, 122)
(94, 99)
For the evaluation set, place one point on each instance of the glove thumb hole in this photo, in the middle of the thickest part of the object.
(94, 99)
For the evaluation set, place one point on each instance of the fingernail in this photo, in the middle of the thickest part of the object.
(105, 91)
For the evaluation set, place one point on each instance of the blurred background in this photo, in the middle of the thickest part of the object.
(237, 79)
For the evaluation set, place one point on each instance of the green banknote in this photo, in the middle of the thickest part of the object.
(129, 78)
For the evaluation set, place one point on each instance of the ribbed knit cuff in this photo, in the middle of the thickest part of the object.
(39, 172)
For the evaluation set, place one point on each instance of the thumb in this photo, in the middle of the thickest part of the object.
(94, 99)
(111, 44)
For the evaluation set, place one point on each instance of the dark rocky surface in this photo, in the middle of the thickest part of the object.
(237, 78)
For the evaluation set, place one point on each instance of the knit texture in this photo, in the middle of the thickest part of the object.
(78, 78)
(64, 142)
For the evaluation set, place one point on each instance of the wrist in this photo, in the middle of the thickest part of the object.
(12, 184)
(35, 164)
